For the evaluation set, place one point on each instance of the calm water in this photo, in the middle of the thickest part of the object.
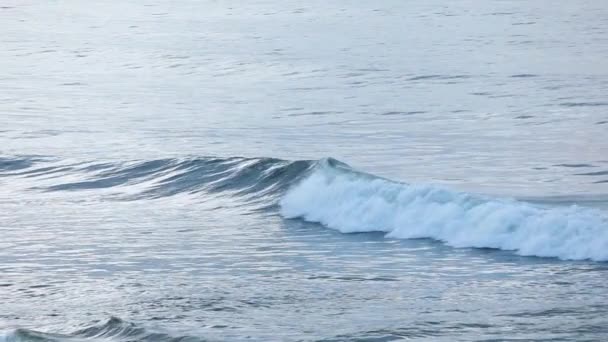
(288, 171)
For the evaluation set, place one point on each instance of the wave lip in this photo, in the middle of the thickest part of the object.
(350, 201)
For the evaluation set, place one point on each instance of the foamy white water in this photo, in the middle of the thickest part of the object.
(349, 201)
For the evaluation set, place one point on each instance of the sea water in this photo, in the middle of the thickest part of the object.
(303, 171)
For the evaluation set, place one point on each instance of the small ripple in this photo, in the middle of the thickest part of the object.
(575, 165)
(18, 162)
(372, 70)
(501, 13)
(437, 77)
(583, 104)
(502, 96)
(315, 113)
(420, 330)
(524, 75)
(352, 278)
(598, 173)
(306, 88)
(404, 113)
(549, 313)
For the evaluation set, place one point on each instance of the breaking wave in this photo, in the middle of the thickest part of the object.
(333, 194)
(349, 201)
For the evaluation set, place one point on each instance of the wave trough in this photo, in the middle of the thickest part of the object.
(350, 201)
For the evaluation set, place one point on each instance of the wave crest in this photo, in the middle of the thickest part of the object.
(351, 201)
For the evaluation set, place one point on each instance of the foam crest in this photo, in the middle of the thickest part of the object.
(349, 201)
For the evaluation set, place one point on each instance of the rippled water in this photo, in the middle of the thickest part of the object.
(164, 170)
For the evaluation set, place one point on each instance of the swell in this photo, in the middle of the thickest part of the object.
(246, 177)
(114, 329)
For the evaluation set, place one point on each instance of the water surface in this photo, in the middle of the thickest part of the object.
(164, 170)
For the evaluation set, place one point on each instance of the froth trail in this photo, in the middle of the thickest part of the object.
(349, 201)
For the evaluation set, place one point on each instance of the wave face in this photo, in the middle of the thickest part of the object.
(259, 178)
(349, 201)
(114, 329)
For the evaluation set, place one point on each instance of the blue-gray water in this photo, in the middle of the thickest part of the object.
(303, 171)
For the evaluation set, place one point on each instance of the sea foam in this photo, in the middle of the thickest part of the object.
(350, 201)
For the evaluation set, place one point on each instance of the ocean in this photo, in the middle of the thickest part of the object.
(303, 171)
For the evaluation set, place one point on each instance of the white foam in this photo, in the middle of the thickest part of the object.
(354, 202)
